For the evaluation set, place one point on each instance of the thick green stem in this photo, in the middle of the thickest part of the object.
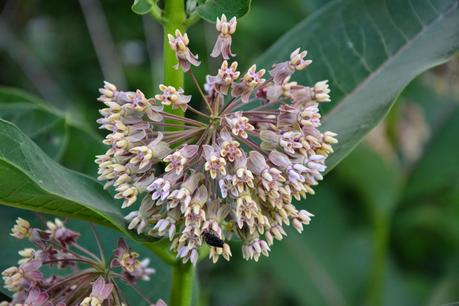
(380, 238)
(182, 284)
(174, 18)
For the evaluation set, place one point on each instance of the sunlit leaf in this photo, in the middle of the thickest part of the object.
(369, 51)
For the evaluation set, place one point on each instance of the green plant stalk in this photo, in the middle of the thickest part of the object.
(173, 18)
(182, 284)
(378, 264)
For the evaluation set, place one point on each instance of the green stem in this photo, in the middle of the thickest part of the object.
(182, 284)
(174, 18)
(380, 238)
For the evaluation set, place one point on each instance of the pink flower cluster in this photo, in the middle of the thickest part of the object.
(56, 247)
(230, 170)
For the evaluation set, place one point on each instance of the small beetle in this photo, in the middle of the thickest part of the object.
(212, 240)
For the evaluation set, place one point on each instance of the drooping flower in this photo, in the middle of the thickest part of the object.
(60, 233)
(179, 44)
(223, 44)
(231, 171)
(21, 229)
(283, 70)
(37, 298)
(99, 293)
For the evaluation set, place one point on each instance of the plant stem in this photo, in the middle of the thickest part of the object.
(174, 18)
(380, 238)
(182, 284)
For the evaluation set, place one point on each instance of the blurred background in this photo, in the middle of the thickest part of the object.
(387, 218)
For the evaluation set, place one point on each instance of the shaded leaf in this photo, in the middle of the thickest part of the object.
(317, 265)
(377, 180)
(437, 171)
(212, 9)
(369, 50)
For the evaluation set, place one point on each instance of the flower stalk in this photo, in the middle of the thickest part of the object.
(175, 18)
(182, 284)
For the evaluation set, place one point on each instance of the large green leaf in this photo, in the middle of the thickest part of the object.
(32, 180)
(212, 9)
(58, 134)
(369, 50)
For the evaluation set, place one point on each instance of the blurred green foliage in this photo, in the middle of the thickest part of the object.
(386, 226)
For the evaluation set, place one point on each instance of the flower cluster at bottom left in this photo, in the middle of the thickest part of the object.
(89, 281)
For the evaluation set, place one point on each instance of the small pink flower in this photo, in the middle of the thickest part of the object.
(239, 125)
(283, 70)
(251, 80)
(173, 97)
(60, 233)
(36, 298)
(184, 56)
(101, 291)
(223, 44)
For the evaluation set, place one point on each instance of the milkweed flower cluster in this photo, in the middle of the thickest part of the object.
(230, 174)
(89, 281)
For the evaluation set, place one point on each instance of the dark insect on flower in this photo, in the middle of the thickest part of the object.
(212, 240)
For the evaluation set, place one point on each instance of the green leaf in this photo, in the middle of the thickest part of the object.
(31, 180)
(437, 171)
(62, 138)
(369, 51)
(212, 9)
(375, 179)
(142, 7)
(315, 267)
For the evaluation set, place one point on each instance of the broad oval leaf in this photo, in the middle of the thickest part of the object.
(33, 181)
(212, 9)
(369, 50)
